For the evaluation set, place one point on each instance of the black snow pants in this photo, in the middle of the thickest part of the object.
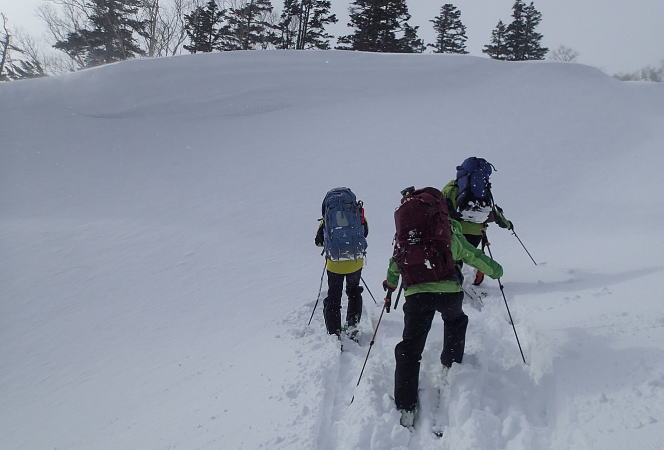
(419, 310)
(332, 303)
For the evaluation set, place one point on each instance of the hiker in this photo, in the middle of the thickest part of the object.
(341, 233)
(470, 201)
(427, 244)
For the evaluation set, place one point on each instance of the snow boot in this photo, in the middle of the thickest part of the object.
(407, 418)
(479, 277)
(352, 333)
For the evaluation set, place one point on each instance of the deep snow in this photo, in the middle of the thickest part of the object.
(158, 267)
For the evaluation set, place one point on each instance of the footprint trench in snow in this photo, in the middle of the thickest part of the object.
(491, 391)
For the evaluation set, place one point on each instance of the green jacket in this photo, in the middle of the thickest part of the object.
(461, 251)
(451, 192)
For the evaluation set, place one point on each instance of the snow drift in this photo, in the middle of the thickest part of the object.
(158, 269)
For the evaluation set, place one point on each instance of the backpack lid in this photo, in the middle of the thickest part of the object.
(474, 164)
(335, 193)
(417, 209)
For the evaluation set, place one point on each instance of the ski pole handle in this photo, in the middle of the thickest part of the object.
(388, 300)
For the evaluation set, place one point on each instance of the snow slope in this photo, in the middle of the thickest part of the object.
(157, 264)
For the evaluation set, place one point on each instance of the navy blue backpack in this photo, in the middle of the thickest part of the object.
(343, 233)
(473, 182)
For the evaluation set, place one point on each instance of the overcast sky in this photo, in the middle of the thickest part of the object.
(614, 35)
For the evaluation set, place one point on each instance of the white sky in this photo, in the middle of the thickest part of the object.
(614, 35)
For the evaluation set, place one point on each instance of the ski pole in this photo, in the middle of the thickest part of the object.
(373, 339)
(369, 290)
(512, 230)
(524, 247)
(320, 288)
(502, 291)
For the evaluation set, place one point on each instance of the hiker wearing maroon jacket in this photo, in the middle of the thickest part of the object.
(427, 244)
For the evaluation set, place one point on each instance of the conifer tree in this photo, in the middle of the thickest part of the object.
(523, 42)
(450, 32)
(289, 24)
(515, 38)
(250, 25)
(303, 22)
(111, 34)
(518, 41)
(381, 26)
(410, 43)
(315, 17)
(533, 39)
(205, 28)
(498, 47)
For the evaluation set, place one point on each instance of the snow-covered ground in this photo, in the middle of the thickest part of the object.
(157, 266)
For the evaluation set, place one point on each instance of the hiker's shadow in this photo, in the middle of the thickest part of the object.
(580, 280)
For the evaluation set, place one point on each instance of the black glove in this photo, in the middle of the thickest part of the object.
(388, 297)
(318, 240)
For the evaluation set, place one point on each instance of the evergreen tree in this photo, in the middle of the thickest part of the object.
(205, 28)
(315, 16)
(111, 37)
(533, 41)
(410, 43)
(250, 25)
(523, 42)
(289, 24)
(450, 32)
(381, 26)
(518, 41)
(515, 37)
(303, 24)
(498, 47)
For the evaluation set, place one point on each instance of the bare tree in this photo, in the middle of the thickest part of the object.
(165, 33)
(149, 11)
(648, 73)
(4, 42)
(171, 31)
(30, 52)
(655, 74)
(64, 17)
(564, 54)
(20, 56)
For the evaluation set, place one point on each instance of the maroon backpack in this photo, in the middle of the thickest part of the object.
(422, 241)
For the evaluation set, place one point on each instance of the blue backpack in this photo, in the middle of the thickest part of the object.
(343, 232)
(473, 182)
